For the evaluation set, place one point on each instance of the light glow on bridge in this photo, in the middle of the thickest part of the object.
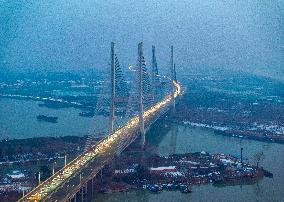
(104, 146)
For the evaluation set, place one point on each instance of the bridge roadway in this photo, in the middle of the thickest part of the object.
(65, 183)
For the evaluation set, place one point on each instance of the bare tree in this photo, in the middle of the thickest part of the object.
(258, 158)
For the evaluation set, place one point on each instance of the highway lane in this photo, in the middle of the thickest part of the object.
(106, 147)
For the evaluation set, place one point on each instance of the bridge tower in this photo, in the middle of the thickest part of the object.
(140, 93)
(154, 86)
(175, 73)
(112, 107)
(172, 72)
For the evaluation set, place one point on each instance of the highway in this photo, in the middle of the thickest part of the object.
(67, 181)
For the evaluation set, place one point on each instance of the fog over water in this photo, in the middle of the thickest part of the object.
(68, 34)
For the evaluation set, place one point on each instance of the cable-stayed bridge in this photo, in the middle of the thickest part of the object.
(75, 176)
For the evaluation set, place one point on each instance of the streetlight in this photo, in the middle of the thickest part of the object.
(65, 159)
(53, 167)
(39, 177)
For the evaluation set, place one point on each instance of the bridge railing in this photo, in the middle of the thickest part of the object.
(56, 181)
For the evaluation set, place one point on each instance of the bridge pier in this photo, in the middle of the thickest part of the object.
(92, 184)
(173, 141)
(90, 193)
(82, 194)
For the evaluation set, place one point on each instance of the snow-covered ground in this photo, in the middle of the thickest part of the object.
(269, 127)
(273, 128)
(222, 128)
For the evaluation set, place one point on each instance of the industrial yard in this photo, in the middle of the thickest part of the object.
(175, 172)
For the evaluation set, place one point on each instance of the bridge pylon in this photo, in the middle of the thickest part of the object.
(154, 63)
(140, 94)
(74, 176)
(172, 72)
(112, 107)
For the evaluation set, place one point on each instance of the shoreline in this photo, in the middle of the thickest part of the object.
(127, 188)
(241, 134)
(33, 149)
(257, 135)
(183, 172)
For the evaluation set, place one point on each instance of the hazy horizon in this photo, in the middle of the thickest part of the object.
(70, 35)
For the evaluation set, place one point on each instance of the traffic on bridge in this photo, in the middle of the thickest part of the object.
(106, 147)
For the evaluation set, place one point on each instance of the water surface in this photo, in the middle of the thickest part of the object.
(189, 139)
(18, 120)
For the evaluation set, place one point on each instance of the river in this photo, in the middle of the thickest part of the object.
(18, 120)
(192, 139)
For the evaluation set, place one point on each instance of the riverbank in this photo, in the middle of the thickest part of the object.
(251, 134)
(180, 139)
(24, 150)
(22, 159)
(198, 139)
(175, 172)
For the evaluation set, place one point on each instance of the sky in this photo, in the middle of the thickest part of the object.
(245, 35)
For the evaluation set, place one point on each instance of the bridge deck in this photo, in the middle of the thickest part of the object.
(66, 182)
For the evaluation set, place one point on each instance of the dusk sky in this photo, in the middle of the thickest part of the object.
(66, 35)
(81, 122)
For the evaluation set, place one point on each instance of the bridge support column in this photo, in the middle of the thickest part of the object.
(173, 143)
(82, 194)
(172, 71)
(140, 94)
(92, 182)
(153, 74)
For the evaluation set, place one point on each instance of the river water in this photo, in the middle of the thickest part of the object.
(18, 120)
(192, 139)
